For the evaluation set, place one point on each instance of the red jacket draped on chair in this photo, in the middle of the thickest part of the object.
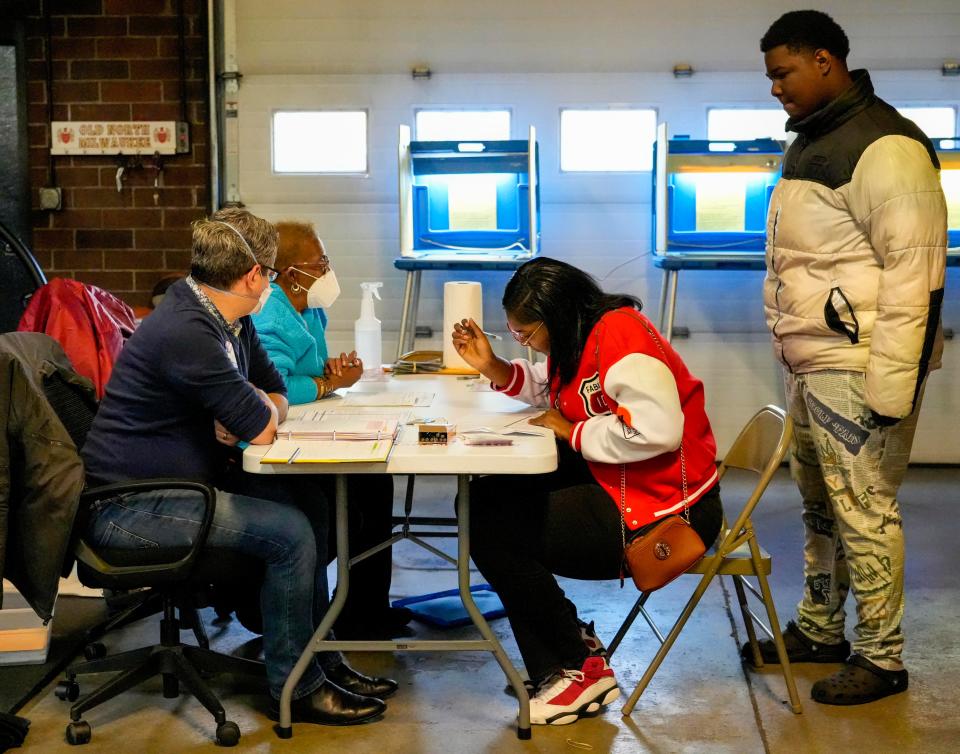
(90, 323)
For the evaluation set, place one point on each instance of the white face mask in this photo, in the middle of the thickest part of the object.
(262, 300)
(323, 291)
(265, 293)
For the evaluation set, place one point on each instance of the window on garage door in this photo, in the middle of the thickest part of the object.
(324, 141)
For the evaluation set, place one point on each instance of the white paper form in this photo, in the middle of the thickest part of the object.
(387, 398)
(503, 423)
(472, 202)
(721, 201)
(328, 451)
(343, 426)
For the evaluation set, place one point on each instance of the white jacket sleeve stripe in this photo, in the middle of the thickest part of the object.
(528, 384)
(650, 420)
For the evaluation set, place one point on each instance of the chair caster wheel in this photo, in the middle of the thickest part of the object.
(228, 733)
(78, 733)
(95, 651)
(67, 691)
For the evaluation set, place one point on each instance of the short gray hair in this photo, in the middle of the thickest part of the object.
(220, 257)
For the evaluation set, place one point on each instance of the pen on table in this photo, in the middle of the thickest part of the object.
(492, 335)
(293, 456)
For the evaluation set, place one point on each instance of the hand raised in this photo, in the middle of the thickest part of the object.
(472, 345)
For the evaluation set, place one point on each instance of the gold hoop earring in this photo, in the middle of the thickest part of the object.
(296, 287)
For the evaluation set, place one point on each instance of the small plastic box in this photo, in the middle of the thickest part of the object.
(435, 434)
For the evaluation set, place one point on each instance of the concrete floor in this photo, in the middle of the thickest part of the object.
(702, 700)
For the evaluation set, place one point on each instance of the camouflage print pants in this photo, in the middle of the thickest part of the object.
(848, 471)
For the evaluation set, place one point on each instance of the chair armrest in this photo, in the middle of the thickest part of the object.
(169, 571)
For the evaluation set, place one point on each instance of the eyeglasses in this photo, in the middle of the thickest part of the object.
(323, 271)
(524, 340)
(323, 264)
(271, 272)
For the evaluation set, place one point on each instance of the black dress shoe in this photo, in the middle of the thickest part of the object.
(331, 705)
(399, 616)
(349, 679)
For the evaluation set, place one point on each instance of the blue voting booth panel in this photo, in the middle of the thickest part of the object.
(750, 169)
(682, 232)
(437, 165)
(431, 219)
(948, 151)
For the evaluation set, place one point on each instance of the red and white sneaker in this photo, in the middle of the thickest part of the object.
(590, 639)
(571, 694)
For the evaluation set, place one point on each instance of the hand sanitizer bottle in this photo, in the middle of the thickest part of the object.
(367, 335)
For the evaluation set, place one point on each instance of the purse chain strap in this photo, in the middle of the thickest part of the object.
(623, 467)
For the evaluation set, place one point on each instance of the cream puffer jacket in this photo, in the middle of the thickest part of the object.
(856, 249)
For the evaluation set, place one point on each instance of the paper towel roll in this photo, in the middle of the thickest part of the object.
(461, 300)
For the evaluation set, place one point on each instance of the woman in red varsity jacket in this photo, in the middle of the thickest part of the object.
(630, 424)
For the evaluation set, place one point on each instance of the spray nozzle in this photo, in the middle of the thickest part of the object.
(372, 289)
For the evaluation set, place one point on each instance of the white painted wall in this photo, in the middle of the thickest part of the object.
(549, 36)
(598, 222)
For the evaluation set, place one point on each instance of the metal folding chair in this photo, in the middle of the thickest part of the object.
(760, 448)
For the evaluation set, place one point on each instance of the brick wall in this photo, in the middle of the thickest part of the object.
(118, 60)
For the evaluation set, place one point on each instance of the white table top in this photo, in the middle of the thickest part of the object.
(457, 401)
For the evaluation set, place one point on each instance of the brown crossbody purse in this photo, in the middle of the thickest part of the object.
(667, 550)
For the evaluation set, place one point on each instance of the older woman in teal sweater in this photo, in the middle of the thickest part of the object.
(292, 328)
(292, 324)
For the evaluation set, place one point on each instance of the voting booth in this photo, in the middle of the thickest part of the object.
(464, 205)
(711, 197)
(948, 151)
(469, 198)
(710, 201)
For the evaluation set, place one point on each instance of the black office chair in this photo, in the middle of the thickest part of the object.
(175, 574)
(21, 276)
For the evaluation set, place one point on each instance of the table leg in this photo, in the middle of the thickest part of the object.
(671, 303)
(284, 729)
(405, 314)
(661, 318)
(489, 643)
(463, 577)
(414, 309)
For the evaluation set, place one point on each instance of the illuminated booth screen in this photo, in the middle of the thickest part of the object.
(713, 195)
(948, 150)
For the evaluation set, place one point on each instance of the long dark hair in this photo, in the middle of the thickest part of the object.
(569, 303)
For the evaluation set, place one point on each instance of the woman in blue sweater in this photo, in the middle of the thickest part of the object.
(292, 327)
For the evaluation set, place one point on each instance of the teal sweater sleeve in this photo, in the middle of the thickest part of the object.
(295, 344)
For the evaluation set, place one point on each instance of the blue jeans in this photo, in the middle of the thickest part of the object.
(294, 596)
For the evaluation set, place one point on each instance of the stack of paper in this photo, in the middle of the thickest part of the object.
(487, 436)
(340, 426)
(387, 398)
(328, 451)
(335, 436)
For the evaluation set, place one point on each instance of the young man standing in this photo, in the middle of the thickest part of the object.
(856, 248)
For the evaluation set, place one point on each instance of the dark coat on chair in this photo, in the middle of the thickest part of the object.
(41, 474)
